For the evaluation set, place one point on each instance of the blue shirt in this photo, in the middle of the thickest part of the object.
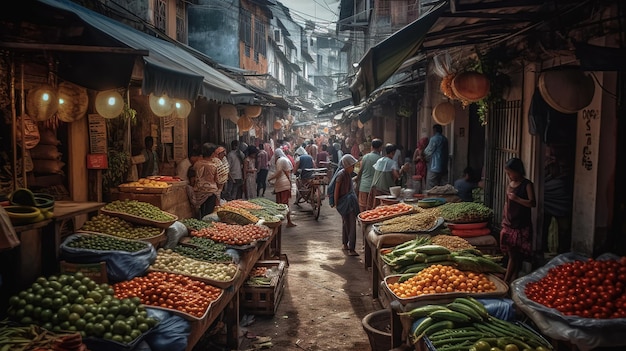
(305, 161)
(437, 153)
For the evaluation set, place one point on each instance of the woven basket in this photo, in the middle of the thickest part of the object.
(376, 325)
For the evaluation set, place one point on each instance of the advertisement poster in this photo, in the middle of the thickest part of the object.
(97, 134)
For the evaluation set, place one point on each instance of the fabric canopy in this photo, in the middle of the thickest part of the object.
(383, 59)
(169, 69)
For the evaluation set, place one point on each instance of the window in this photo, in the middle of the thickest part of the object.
(320, 60)
(181, 22)
(276, 68)
(277, 35)
(160, 14)
(383, 8)
(259, 38)
(245, 27)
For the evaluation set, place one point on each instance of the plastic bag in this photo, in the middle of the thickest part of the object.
(170, 334)
(174, 233)
(121, 265)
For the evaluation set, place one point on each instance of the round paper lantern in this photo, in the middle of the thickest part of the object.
(161, 105)
(234, 119)
(252, 111)
(277, 125)
(568, 90)
(182, 108)
(444, 113)
(228, 111)
(109, 103)
(470, 86)
(42, 102)
(73, 102)
(244, 123)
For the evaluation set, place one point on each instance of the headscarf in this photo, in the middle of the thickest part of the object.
(278, 153)
(422, 143)
(348, 160)
(301, 151)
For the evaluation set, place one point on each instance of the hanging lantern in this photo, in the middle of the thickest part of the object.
(109, 103)
(42, 102)
(244, 123)
(359, 124)
(444, 113)
(228, 111)
(73, 102)
(277, 125)
(234, 119)
(253, 111)
(161, 105)
(182, 108)
(470, 86)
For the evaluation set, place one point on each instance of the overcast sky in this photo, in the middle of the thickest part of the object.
(322, 12)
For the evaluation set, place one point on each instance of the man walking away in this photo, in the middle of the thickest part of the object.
(262, 164)
(436, 154)
(235, 175)
(366, 174)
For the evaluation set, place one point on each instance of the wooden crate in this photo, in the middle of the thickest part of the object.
(264, 300)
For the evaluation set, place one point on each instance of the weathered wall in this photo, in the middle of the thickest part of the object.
(213, 28)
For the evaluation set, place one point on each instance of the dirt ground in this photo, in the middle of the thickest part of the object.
(327, 292)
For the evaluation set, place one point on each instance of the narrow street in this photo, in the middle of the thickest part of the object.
(327, 293)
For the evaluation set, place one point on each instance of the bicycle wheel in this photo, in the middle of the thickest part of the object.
(316, 202)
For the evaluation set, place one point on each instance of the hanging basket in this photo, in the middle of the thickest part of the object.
(161, 105)
(568, 90)
(277, 125)
(470, 86)
(73, 102)
(182, 108)
(109, 103)
(253, 111)
(444, 113)
(244, 123)
(42, 102)
(228, 111)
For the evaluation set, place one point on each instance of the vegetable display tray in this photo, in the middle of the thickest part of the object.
(501, 290)
(384, 218)
(188, 316)
(467, 226)
(141, 220)
(144, 189)
(156, 240)
(438, 223)
(100, 344)
(223, 284)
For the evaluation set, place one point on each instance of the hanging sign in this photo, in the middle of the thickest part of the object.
(97, 134)
(180, 139)
(97, 161)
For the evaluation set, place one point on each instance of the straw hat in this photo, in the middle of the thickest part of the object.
(109, 103)
(444, 113)
(244, 123)
(252, 111)
(161, 105)
(182, 108)
(567, 90)
(73, 102)
(42, 102)
(228, 111)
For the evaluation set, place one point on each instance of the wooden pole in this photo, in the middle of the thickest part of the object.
(13, 125)
(23, 113)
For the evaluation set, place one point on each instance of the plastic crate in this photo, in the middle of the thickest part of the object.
(264, 300)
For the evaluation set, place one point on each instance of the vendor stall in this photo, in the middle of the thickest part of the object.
(171, 197)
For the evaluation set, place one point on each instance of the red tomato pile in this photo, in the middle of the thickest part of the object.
(589, 289)
(170, 290)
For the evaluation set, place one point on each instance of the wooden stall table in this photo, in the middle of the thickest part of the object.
(229, 302)
(173, 200)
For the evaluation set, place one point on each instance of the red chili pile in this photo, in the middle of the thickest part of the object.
(589, 289)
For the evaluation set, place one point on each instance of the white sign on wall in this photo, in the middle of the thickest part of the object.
(586, 172)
